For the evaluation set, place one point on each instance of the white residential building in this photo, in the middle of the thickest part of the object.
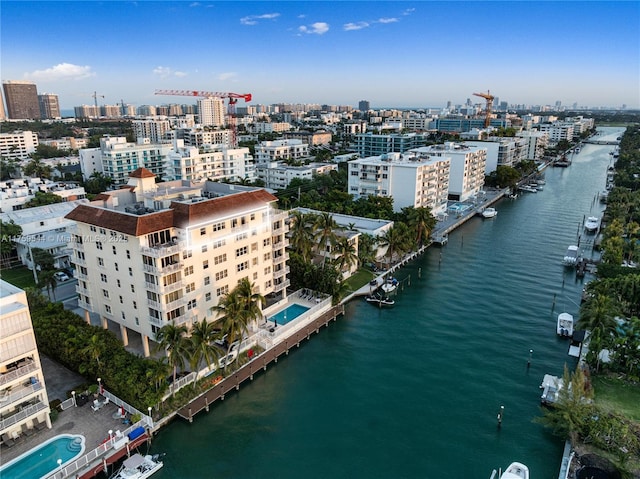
(557, 132)
(211, 112)
(199, 136)
(155, 129)
(279, 176)
(501, 151)
(44, 227)
(16, 192)
(468, 164)
(413, 179)
(208, 162)
(153, 254)
(272, 151)
(67, 143)
(18, 145)
(268, 127)
(23, 395)
(537, 143)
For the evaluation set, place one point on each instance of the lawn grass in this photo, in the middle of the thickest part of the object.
(358, 280)
(617, 395)
(21, 277)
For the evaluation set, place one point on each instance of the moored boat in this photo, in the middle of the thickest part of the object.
(390, 285)
(489, 212)
(571, 256)
(564, 326)
(516, 470)
(379, 300)
(591, 224)
(138, 467)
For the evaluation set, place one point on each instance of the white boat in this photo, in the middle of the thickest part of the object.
(528, 188)
(551, 386)
(390, 285)
(516, 470)
(564, 327)
(571, 256)
(591, 224)
(379, 300)
(138, 467)
(489, 212)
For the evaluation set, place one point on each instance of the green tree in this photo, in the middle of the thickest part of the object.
(9, 232)
(47, 279)
(301, 234)
(597, 315)
(397, 241)
(422, 222)
(36, 168)
(97, 183)
(9, 167)
(234, 319)
(42, 198)
(346, 254)
(325, 227)
(173, 340)
(42, 259)
(93, 349)
(202, 346)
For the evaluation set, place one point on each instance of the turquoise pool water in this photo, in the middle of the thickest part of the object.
(42, 460)
(288, 314)
(458, 207)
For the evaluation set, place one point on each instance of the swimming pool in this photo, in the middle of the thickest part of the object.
(458, 207)
(288, 314)
(42, 460)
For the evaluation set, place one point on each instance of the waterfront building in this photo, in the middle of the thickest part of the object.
(44, 227)
(23, 395)
(271, 151)
(211, 112)
(312, 138)
(278, 175)
(18, 145)
(370, 144)
(15, 193)
(155, 129)
(49, 106)
(458, 125)
(415, 179)
(208, 162)
(557, 132)
(501, 151)
(468, 164)
(110, 111)
(537, 143)
(22, 100)
(153, 254)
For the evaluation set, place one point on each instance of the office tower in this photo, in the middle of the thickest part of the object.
(49, 106)
(364, 105)
(22, 100)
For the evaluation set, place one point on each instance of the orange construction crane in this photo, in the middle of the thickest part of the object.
(231, 108)
(487, 115)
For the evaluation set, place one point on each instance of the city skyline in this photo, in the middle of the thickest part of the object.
(393, 54)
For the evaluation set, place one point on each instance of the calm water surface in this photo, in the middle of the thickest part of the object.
(413, 391)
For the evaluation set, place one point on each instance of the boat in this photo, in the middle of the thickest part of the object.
(390, 285)
(604, 194)
(551, 386)
(516, 470)
(528, 188)
(591, 224)
(138, 467)
(489, 212)
(379, 300)
(571, 256)
(564, 326)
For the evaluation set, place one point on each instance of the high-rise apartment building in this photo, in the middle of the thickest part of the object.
(364, 105)
(49, 106)
(153, 254)
(211, 112)
(22, 100)
(18, 145)
(23, 395)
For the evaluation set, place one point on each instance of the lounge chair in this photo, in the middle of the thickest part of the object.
(27, 431)
(39, 425)
(7, 441)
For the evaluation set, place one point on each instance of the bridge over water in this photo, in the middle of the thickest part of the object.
(602, 142)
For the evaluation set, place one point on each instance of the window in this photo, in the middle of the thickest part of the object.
(221, 274)
(242, 236)
(203, 231)
(103, 277)
(252, 216)
(219, 243)
(113, 248)
(207, 297)
(207, 280)
(255, 276)
(234, 222)
(242, 266)
(121, 300)
(254, 262)
(133, 288)
(220, 259)
(137, 321)
(92, 228)
(188, 270)
(103, 231)
(254, 247)
(218, 226)
(135, 305)
(190, 287)
(100, 262)
(266, 242)
(187, 254)
(267, 270)
(99, 244)
(130, 272)
(267, 285)
(267, 256)
(105, 293)
(128, 254)
(222, 290)
(242, 251)
(191, 304)
(107, 308)
(116, 265)
(204, 248)
(205, 264)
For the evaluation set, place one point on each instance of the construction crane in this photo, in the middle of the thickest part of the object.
(231, 108)
(95, 98)
(487, 114)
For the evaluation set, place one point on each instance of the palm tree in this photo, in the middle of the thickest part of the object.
(301, 234)
(158, 372)
(202, 347)
(93, 348)
(597, 315)
(422, 222)
(346, 252)
(47, 279)
(234, 319)
(173, 340)
(325, 227)
(397, 241)
(367, 248)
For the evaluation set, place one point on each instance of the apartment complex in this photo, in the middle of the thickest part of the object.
(208, 162)
(320, 137)
(369, 144)
(152, 254)
(22, 100)
(49, 106)
(271, 151)
(18, 145)
(413, 179)
(501, 151)
(16, 192)
(278, 176)
(211, 112)
(23, 395)
(155, 129)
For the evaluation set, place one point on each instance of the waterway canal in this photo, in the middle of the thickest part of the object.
(414, 391)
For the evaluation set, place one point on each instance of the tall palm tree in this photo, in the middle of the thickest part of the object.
(202, 346)
(93, 349)
(173, 340)
(367, 248)
(234, 319)
(325, 227)
(346, 252)
(301, 234)
(47, 279)
(422, 222)
(597, 315)
(397, 240)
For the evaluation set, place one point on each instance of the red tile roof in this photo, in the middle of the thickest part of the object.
(135, 225)
(141, 173)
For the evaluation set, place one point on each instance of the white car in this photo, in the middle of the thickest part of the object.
(60, 276)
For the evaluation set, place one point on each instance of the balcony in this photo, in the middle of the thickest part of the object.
(85, 305)
(155, 321)
(81, 290)
(283, 272)
(17, 394)
(16, 372)
(160, 251)
(283, 285)
(154, 304)
(22, 413)
(170, 268)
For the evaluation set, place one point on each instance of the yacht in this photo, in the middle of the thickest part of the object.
(591, 224)
(138, 467)
(489, 212)
(516, 470)
(564, 326)
(571, 256)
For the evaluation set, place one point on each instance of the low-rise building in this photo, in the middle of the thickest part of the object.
(18, 145)
(313, 138)
(16, 192)
(272, 151)
(278, 176)
(23, 396)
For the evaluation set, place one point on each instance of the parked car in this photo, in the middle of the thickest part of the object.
(60, 276)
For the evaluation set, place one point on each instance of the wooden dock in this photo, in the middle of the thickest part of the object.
(259, 363)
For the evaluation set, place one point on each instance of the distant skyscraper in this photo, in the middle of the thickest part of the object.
(364, 105)
(3, 115)
(22, 100)
(49, 106)
(558, 104)
(449, 104)
(211, 112)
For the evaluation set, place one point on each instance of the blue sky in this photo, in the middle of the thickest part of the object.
(394, 54)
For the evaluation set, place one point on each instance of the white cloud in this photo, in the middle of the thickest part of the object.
(387, 20)
(253, 19)
(355, 26)
(166, 72)
(194, 4)
(318, 28)
(227, 76)
(408, 11)
(62, 71)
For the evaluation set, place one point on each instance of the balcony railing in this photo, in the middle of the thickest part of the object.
(17, 373)
(170, 268)
(159, 251)
(85, 305)
(16, 395)
(22, 414)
